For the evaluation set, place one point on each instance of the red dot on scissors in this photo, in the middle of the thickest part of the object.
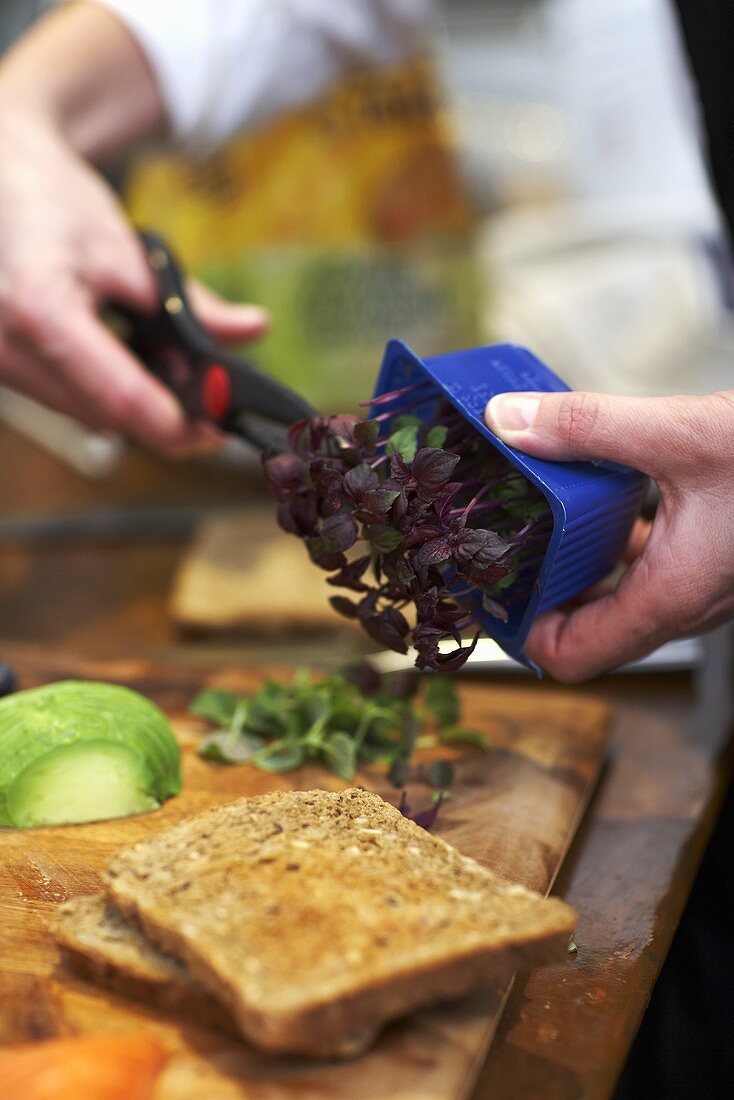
(216, 392)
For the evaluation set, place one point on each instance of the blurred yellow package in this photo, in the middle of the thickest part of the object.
(347, 219)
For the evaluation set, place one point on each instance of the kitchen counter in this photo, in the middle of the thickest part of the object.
(632, 865)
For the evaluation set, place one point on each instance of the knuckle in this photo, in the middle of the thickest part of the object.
(21, 308)
(100, 257)
(36, 312)
(124, 405)
(698, 434)
(714, 429)
(117, 266)
(578, 417)
(107, 252)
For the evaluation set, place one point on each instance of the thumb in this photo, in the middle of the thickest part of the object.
(643, 432)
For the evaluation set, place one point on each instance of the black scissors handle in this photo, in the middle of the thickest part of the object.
(210, 382)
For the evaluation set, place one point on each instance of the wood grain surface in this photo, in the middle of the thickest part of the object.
(515, 809)
(241, 572)
(566, 1031)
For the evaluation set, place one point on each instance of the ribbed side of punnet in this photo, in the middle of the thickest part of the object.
(590, 547)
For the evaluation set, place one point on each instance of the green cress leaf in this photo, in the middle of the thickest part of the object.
(340, 753)
(379, 500)
(278, 727)
(536, 510)
(512, 486)
(436, 436)
(405, 420)
(399, 771)
(228, 747)
(505, 582)
(382, 537)
(457, 736)
(239, 718)
(441, 700)
(403, 442)
(215, 704)
(280, 756)
(440, 773)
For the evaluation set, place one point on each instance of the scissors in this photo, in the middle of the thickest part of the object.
(211, 382)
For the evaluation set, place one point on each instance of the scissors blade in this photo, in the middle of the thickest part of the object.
(264, 435)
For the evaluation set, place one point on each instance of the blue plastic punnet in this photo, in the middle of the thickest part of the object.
(593, 504)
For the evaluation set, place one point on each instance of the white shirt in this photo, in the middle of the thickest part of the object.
(225, 64)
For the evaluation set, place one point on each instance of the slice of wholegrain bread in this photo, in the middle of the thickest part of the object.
(316, 917)
(111, 950)
(100, 944)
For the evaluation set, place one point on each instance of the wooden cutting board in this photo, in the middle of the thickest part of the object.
(514, 808)
(242, 574)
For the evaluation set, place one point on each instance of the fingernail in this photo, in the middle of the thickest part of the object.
(253, 315)
(167, 411)
(507, 413)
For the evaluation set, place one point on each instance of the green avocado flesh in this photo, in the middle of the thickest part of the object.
(85, 781)
(81, 751)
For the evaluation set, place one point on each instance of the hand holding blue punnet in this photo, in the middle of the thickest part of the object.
(679, 576)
